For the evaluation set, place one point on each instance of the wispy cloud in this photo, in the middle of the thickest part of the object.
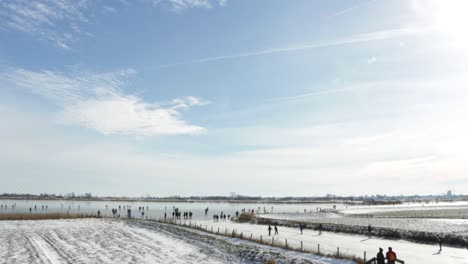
(179, 5)
(97, 101)
(53, 21)
(351, 8)
(109, 9)
(359, 38)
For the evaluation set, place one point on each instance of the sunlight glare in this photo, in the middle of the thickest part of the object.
(451, 18)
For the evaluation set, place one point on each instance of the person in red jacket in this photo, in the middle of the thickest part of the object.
(391, 256)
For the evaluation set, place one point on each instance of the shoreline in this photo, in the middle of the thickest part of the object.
(43, 216)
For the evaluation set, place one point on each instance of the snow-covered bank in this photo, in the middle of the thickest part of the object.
(412, 253)
(119, 241)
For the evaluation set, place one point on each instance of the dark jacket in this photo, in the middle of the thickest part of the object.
(380, 258)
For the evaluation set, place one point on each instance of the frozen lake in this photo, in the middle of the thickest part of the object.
(152, 209)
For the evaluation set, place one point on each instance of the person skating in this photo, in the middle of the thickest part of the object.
(369, 231)
(269, 230)
(380, 257)
(320, 228)
(391, 256)
(301, 227)
(276, 230)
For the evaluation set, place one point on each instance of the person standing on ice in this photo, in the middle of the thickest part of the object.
(276, 230)
(391, 256)
(300, 228)
(380, 257)
(369, 231)
(439, 240)
(320, 227)
(269, 230)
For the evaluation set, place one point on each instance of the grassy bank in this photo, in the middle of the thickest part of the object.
(45, 216)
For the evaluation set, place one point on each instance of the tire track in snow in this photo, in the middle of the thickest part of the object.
(50, 256)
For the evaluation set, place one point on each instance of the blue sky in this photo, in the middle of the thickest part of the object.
(199, 97)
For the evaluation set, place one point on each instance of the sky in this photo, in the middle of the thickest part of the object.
(209, 97)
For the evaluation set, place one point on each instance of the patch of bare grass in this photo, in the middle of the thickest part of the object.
(47, 216)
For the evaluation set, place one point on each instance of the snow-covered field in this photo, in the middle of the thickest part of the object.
(119, 241)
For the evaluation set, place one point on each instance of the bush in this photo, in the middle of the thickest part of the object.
(246, 217)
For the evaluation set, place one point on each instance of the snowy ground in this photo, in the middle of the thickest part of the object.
(411, 253)
(119, 241)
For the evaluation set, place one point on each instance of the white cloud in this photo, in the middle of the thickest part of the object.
(49, 20)
(61, 22)
(187, 102)
(179, 5)
(97, 101)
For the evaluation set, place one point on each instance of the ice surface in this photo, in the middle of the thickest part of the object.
(411, 253)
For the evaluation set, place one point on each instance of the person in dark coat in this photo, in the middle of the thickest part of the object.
(276, 230)
(439, 240)
(269, 230)
(380, 257)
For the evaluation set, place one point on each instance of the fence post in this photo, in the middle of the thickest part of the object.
(211, 229)
(241, 235)
(286, 242)
(302, 248)
(364, 256)
(337, 251)
(218, 230)
(251, 236)
(318, 248)
(261, 239)
(273, 240)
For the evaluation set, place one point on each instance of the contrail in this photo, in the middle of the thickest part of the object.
(360, 38)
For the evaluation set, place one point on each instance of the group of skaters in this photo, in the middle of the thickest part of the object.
(13, 206)
(222, 217)
(259, 209)
(275, 227)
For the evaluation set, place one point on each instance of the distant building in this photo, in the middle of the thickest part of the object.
(449, 194)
